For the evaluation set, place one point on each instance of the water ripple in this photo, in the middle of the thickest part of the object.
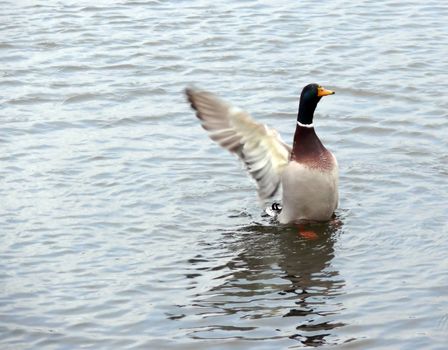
(124, 227)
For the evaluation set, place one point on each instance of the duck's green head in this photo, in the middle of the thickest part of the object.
(309, 98)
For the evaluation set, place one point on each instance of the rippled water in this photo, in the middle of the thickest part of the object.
(125, 227)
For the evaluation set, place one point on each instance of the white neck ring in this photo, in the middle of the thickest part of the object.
(305, 125)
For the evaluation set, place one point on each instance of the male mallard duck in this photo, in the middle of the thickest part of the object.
(307, 173)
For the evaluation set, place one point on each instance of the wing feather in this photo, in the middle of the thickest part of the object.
(262, 150)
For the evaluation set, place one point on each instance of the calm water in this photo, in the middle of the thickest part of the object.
(124, 227)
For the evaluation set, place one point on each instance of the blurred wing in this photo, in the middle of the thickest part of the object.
(260, 148)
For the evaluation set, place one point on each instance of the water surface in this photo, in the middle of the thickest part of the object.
(125, 227)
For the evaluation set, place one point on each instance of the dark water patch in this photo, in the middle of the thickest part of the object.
(73, 68)
(7, 45)
(32, 99)
(88, 97)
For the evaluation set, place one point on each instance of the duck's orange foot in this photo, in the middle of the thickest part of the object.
(307, 234)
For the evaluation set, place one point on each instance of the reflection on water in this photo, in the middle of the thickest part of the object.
(276, 282)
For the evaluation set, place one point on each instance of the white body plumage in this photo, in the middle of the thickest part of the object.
(308, 194)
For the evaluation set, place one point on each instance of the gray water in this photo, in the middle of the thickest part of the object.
(124, 227)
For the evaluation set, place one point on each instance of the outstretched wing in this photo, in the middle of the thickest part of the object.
(260, 148)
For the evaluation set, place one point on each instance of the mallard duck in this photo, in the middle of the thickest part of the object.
(307, 173)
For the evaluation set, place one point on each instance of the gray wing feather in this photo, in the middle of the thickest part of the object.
(262, 150)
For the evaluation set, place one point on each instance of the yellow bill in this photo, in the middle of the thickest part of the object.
(321, 91)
